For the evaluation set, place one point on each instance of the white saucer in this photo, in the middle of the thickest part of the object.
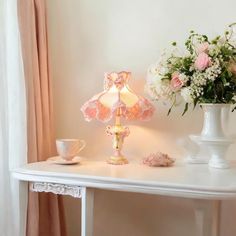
(58, 160)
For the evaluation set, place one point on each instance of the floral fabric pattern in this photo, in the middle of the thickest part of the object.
(95, 109)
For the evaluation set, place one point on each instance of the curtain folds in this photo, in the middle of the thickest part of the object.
(45, 211)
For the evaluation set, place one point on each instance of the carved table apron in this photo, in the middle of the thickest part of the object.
(197, 182)
(84, 193)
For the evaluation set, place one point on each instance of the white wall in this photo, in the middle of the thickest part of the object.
(88, 38)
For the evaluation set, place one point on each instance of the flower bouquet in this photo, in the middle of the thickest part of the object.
(205, 73)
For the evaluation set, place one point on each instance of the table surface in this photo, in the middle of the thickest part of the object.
(183, 180)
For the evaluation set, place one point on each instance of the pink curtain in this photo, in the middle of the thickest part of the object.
(45, 211)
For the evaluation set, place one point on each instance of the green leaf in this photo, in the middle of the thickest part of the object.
(185, 109)
(195, 103)
(169, 111)
(205, 38)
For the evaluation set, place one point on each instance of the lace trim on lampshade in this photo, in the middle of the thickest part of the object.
(95, 109)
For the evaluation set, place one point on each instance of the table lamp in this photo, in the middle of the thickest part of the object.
(118, 101)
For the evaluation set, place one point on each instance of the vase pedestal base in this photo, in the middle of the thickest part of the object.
(219, 164)
(200, 156)
(196, 160)
(217, 148)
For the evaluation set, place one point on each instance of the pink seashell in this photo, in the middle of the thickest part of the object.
(158, 159)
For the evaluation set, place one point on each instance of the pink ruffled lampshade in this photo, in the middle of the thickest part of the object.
(117, 96)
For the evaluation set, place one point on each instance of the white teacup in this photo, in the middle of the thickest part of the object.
(69, 148)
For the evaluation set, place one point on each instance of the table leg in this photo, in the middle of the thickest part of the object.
(207, 217)
(87, 212)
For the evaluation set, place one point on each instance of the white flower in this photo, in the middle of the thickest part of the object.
(153, 74)
(234, 98)
(183, 78)
(192, 68)
(198, 79)
(159, 68)
(159, 89)
(196, 91)
(186, 94)
(153, 69)
(213, 71)
(156, 86)
(214, 49)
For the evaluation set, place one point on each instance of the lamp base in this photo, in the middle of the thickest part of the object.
(117, 160)
(118, 132)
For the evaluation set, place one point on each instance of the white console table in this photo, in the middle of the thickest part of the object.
(189, 181)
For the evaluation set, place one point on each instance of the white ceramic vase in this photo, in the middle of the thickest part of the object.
(212, 123)
(213, 136)
(212, 143)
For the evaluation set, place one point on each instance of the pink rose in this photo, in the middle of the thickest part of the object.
(232, 68)
(203, 47)
(203, 61)
(175, 82)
